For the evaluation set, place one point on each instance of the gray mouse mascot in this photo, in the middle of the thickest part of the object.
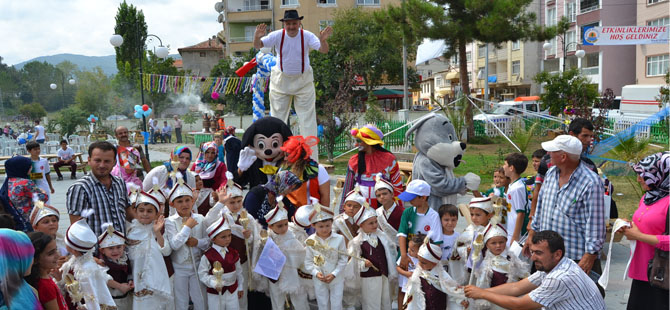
(439, 152)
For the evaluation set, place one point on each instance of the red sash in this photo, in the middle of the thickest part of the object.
(302, 50)
(227, 263)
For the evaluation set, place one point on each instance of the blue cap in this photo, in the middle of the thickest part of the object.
(407, 196)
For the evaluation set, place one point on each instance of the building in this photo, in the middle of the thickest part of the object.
(652, 61)
(199, 59)
(240, 17)
(606, 66)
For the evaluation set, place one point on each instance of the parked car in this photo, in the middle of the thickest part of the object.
(520, 106)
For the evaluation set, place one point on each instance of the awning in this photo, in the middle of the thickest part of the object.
(452, 76)
(527, 98)
(445, 91)
(493, 79)
(386, 93)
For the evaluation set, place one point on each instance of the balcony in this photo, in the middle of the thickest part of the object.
(248, 6)
(249, 11)
(591, 71)
(502, 77)
(240, 39)
(502, 53)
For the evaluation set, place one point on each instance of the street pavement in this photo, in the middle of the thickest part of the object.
(616, 293)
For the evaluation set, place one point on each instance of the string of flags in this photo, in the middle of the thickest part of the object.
(159, 83)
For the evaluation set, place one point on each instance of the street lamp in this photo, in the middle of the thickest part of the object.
(579, 53)
(162, 52)
(54, 86)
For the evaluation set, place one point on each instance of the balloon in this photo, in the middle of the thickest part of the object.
(145, 107)
(93, 120)
(138, 107)
(215, 95)
(147, 112)
(138, 115)
(22, 141)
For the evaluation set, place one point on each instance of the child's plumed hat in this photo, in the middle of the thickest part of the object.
(355, 196)
(79, 235)
(319, 212)
(217, 227)
(301, 216)
(41, 210)
(429, 251)
(144, 197)
(110, 237)
(180, 189)
(233, 189)
(157, 192)
(363, 214)
(494, 231)
(380, 183)
(134, 192)
(277, 213)
(483, 203)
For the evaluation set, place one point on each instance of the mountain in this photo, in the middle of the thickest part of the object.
(85, 63)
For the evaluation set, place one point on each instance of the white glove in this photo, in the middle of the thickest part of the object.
(472, 181)
(247, 158)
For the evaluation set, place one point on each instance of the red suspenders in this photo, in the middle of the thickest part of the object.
(302, 50)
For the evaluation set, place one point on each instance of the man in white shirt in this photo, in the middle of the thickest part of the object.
(39, 133)
(65, 157)
(292, 76)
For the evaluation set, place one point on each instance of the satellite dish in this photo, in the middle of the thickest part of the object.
(219, 6)
(221, 18)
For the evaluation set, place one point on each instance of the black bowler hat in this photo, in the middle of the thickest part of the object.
(291, 15)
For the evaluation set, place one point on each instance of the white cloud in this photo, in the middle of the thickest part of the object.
(32, 28)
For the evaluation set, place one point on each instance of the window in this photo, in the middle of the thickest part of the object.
(438, 81)
(516, 45)
(658, 65)
(571, 11)
(326, 2)
(481, 72)
(481, 51)
(430, 72)
(589, 5)
(325, 23)
(654, 1)
(552, 50)
(203, 54)
(468, 56)
(551, 16)
(454, 60)
(249, 33)
(367, 2)
(571, 41)
(665, 21)
(289, 2)
(516, 67)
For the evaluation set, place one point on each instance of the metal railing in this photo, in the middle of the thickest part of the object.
(247, 8)
(591, 71)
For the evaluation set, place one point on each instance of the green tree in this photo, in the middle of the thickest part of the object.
(461, 22)
(567, 88)
(71, 118)
(38, 77)
(131, 26)
(155, 65)
(93, 93)
(12, 87)
(240, 104)
(33, 111)
(336, 116)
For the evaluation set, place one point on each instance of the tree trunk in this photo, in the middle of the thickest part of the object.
(465, 87)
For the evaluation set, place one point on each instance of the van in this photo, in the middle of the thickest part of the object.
(640, 100)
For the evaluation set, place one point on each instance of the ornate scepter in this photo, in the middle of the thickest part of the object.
(74, 289)
(244, 220)
(323, 247)
(477, 246)
(217, 271)
(337, 191)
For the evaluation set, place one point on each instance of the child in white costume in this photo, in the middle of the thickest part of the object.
(92, 278)
(383, 214)
(225, 283)
(111, 244)
(429, 285)
(298, 226)
(498, 266)
(45, 218)
(288, 282)
(325, 259)
(146, 248)
(245, 229)
(186, 235)
(343, 223)
(377, 271)
(481, 210)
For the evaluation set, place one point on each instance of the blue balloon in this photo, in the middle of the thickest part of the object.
(138, 107)
(22, 141)
(138, 115)
(147, 112)
(30, 136)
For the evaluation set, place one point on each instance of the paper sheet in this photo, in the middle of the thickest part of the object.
(604, 278)
(271, 261)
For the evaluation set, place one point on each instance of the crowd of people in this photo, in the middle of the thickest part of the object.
(188, 234)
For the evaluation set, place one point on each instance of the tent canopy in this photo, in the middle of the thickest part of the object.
(527, 98)
(386, 93)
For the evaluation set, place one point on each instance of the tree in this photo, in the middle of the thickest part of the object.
(38, 76)
(93, 93)
(461, 22)
(70, 119)
(33, 111)
(336, 117)
(156, 65)
(241, 103)
(567, 88)
(128, 20)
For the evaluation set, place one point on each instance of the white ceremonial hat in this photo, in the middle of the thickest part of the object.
(431, 252)
(363, 214)
(277, 213)
(319, 212)
(80, 237)
(42, 210)
(494, 231)
(180, 189)
(483, 203)
(217, 227)
(355, 196)
(144, 197)
(301, 216)
(381, 183)
(234, 189)
(110, 237)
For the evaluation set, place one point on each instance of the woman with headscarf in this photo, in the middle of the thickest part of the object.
(263, 198)
(179, 163)
(16, 259)
(212, 172)
(648, 227)
(128, 160)
(314, 177)
(371, 159)
(18, 192)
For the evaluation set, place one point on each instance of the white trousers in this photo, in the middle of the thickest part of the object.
(124, 303)
(244, 301)
(299, 300)
(328, 295)
(187, 284)
(375, 293)
(225, 301)
(300, 88)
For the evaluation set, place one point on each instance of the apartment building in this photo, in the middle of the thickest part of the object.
(606, 66)
(653, 60)
(240, 17)
(200, 59)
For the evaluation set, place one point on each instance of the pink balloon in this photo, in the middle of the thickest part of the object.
(215, 95)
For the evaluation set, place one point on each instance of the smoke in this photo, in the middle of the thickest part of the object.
(191, 99)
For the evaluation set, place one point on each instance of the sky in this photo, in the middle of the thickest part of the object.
(33, 28)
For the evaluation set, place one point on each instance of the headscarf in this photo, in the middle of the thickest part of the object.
(230, 130)
(16, 254)
(205, 169)
(278, 184)
(168, 165)
(15, 167)
(654, 169)
(369, 134)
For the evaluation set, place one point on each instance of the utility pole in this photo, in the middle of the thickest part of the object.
(486, 73)
(405, 104)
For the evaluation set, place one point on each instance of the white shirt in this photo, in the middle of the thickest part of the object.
(41, 166)
(448, 244)
(176, 233)
(65, 154)
(335, 262)
(518, 201)
(227, 279)
(565, 287)
(39, 131)
(292, 63)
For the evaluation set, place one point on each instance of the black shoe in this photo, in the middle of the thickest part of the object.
(72, 177)
(60, 178)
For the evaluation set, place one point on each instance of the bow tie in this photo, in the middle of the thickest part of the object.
(269, 170)
(371, 239)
